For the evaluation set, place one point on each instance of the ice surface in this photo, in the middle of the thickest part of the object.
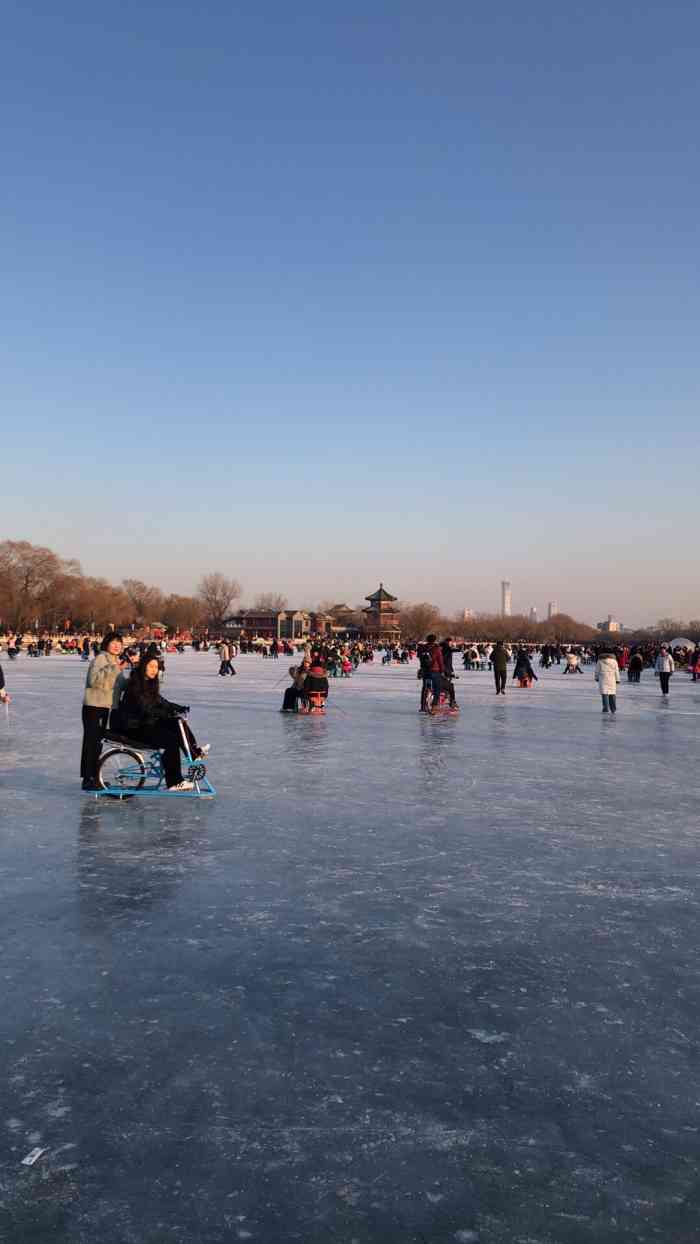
(403, 980)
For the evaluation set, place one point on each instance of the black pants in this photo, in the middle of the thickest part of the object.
(226, 668)
(500, 678)
(94, 726)
(166, 735)
(664, 679)
(289, 703)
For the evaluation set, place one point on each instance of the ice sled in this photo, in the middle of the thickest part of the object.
(316, 706)
(124, 771)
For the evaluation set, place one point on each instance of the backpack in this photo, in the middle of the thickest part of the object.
(425, 659)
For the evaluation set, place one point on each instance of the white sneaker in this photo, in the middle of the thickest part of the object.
(182, 786)
(204, 751)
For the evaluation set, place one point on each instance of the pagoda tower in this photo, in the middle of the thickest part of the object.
(382, 620)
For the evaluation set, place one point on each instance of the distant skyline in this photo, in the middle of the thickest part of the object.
(320, 296)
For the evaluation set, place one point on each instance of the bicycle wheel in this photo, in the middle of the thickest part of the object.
(121, 769)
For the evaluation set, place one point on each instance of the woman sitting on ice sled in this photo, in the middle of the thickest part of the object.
(309, 690)
(146, 717)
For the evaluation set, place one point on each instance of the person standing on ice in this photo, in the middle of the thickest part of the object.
(225, 659)
(499, 662)
(449, 673)
(434, 673)
(101, 694)
(635, 667)
(664, 667)
(607, 676)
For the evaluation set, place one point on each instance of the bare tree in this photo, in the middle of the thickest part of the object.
(181, 612)
(28, 574)
(418, 620)
(147, 601)
(270, 600)
(217, 593)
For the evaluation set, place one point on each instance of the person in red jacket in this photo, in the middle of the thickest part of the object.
(437, 669)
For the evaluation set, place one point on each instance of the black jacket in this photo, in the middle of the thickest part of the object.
(316, 680)
(447, 660)
(499, 660)
(523, 667)
(138, 713)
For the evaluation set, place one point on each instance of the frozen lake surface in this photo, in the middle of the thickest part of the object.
(405, 980)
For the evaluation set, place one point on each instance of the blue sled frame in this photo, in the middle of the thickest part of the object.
(124, 772)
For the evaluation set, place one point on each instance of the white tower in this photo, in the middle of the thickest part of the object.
(552, 609)
(506, 598)
(533, 613)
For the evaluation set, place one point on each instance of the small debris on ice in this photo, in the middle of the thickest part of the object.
(33, 1156)
(487, 1038)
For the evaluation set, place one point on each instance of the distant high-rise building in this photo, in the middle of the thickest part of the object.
(532, 617)
(552, 609)
(468, 615)
(506, 598)
(612, 626)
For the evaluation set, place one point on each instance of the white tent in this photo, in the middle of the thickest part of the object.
(681, 643)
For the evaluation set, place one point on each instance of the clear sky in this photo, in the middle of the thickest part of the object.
(317, 294)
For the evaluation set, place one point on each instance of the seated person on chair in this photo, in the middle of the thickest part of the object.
(316, 682)
(146, 717)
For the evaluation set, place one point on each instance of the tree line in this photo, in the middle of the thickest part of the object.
(39, 588)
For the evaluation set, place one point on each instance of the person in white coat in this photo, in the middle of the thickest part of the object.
(664, 667)
(607, 676)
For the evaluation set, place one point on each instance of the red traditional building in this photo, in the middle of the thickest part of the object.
(382, 620)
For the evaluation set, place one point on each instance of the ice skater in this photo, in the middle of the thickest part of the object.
(499, 662)
(664, 668)
(225, 658)
(607, 676)
(635, 666)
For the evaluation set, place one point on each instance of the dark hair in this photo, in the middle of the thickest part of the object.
(430, 639)
(111, 635)
(148, 688)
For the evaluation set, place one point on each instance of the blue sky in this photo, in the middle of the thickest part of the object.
(322, 294)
